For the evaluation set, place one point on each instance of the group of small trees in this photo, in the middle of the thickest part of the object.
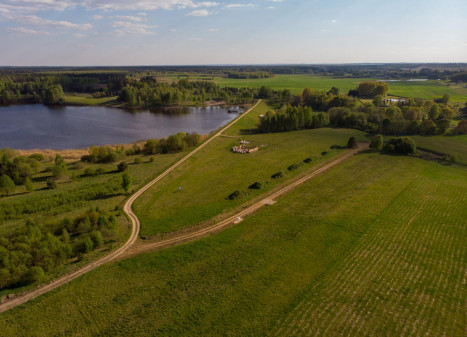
(17, 171)
(37, 250)
(171, 144)
(293, 118)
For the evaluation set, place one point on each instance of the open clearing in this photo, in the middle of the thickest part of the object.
(296, 83)
(384, 256)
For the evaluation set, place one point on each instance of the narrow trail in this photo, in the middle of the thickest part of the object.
(127, 208)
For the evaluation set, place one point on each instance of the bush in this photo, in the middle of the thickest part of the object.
(377, 143)
(277, 175)
(293, 167)
(449, 158)
(34, 274)
(256, 186)
(324, 153)
(152, 159)
(123, 166)
(352, 143)
(89, 171)
(139, 160)
(97, 238)
(100, 170)
(51, 184)
(337, 147)
(307, 160)
(403, 145)
(28, 184)
(235, 195)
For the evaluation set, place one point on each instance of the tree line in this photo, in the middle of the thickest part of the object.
(311, 109)
(149, 92)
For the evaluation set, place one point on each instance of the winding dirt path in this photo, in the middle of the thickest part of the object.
(128, 249)
(127, 208)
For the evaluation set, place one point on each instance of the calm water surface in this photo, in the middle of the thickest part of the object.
(35, 126)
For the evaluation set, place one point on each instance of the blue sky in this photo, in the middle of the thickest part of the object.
(173, 32)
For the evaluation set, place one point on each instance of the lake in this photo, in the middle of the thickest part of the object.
(36, 126)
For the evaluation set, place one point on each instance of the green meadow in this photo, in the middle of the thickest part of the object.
(376, 248)
(296, 83)
(453, 145)
(210, 176)
(87, 99)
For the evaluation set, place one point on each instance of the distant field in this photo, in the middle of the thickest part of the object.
(375, 248)
(296, 83)
(453, 145)
(88, 99)
(214, 173)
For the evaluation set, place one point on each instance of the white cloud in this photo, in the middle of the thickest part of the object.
(231, 6)
(97, 17)
(130, 18)
(22, 31)
(31, 6)
(34, 20)
(127, 27)
(145, 4)
(200, 12)
(333, 21)
(213, 29)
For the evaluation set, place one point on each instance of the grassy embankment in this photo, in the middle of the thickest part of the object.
(372, 247)
(214, 173)
(296, 83)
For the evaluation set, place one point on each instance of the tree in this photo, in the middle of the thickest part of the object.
(7, 185)
(352, 143)
(434, 111)
(127, 181)
(34, 274)
(461, 128)
(123, 166)
(378, 100)
(51, 184)
(443, 125)
(445, 99)
(403, 145)
(377, 143)
(54, 95)
(29, 184)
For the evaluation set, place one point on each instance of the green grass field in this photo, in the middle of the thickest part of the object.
(215, 172)
(296, 83)
(88, 99)
(452, 145)
(375, 248)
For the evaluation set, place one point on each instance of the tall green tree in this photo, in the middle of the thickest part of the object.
(7, 186)
(127, 181)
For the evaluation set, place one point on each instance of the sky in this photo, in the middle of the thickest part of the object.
(192, 32)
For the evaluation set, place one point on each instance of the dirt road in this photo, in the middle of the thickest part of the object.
(135, 226)
(230, 221)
